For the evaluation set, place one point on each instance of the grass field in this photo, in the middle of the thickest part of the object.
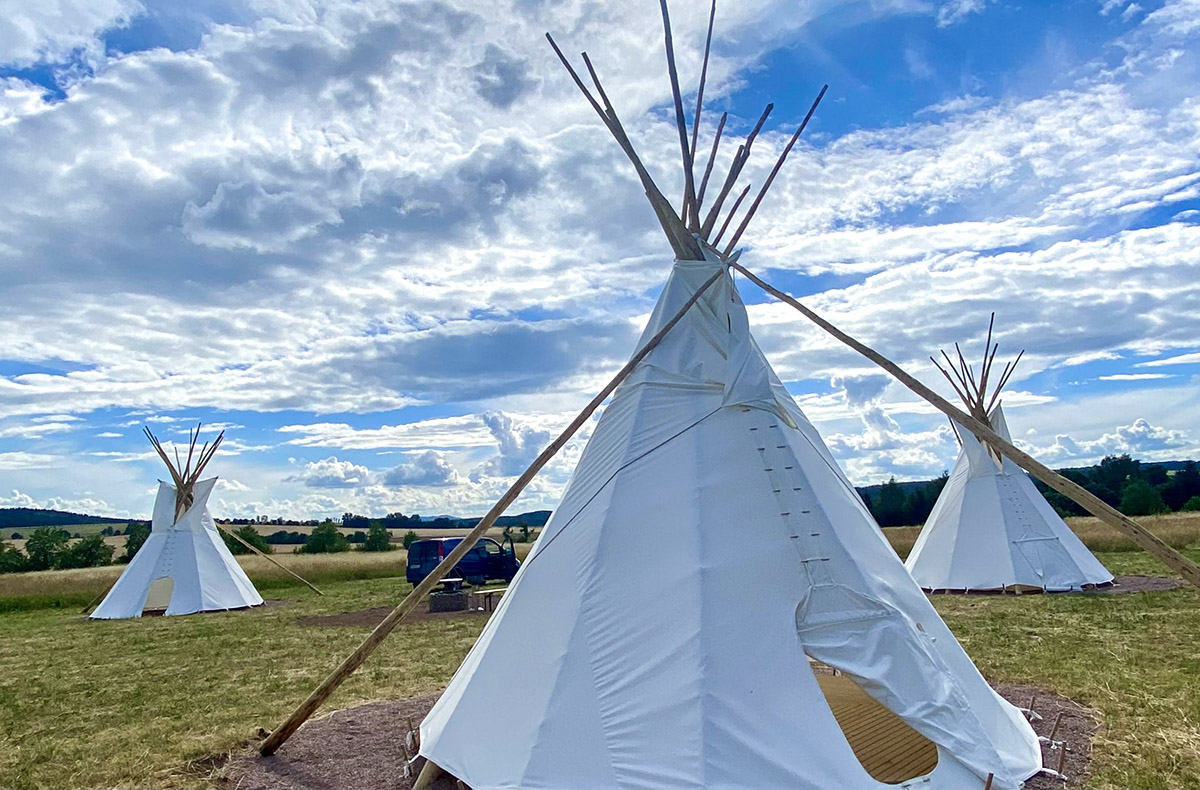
(145, 703)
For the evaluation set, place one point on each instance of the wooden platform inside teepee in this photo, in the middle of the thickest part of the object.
(888, 749)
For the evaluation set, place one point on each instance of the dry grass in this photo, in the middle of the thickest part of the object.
(1178, 530)
(75, 588)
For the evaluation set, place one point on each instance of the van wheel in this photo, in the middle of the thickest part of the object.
(476, 581)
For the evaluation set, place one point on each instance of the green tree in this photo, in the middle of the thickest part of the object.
(1192, 505)
(1184, 485)
(1139, 498)
(1107, 480)
(44, 547)
(889, 510)
(325, 539)
(135, 536)
(251, 536)
(88, 552)
(378, 538)
(410, 538)
(11, 559)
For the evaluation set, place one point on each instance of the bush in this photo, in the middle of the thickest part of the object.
(11, 559)
(251, 536)
(1192, 505)
(87, 552)
(325, 539)
(378, 539)
(135, 536)
(410, 538)
(44, 548)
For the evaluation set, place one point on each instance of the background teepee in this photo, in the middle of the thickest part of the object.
(991, 529)
(184, 566)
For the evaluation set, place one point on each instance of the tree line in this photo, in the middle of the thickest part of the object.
(1134, 488)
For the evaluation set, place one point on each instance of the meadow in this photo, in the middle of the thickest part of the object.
(156, 702)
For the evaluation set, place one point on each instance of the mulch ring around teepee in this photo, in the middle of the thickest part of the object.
(361, 746)
(1121, 584)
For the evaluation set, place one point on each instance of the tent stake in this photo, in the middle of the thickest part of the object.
(267, 557)
(1075, 492)
(360, 654)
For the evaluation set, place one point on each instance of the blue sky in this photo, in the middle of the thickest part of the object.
(388, 248)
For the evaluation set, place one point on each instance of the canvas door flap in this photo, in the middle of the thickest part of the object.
(890, 658)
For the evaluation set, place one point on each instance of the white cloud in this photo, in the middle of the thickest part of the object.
(1139, 439)
(48, 31)
(331, 473)
(1135, 376)
(1182, 359)
(426, 468)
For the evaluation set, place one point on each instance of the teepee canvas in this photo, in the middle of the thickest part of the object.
(991, 529)
(184, 566)
(711, 589)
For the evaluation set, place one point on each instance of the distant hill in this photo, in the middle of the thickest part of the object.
(35, 517)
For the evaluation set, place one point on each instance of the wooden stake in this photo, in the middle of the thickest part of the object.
(1062, 759)
(1075, 492)
(775, 171)
(689, 183)
(988, 785)
(360, 654)
(1054, 729)
(268, 557)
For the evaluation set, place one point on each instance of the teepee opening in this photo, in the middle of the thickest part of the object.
(158, 597)
(888, 749)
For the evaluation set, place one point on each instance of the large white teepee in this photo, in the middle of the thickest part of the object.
(184, 566)
(706, 548)
(991, 529)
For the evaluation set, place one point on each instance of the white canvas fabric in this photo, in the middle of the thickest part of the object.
(991, 529)
(191, 553)
(707, 545)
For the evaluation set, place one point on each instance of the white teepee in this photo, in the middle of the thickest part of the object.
(991, 529)
(707, 546)
(184, 566)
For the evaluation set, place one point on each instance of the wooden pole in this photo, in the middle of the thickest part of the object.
(690, 214)
(787, 149)
(360, 654)
(735, 170)
(681, 242)
(1077, 493)
(268, 557)
(100, 597)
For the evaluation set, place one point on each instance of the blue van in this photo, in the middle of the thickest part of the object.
(485, 561)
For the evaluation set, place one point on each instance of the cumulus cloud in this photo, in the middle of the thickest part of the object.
(518, 445)
(50, 31)
(331, 473)
(1139, 439)
(427, 468)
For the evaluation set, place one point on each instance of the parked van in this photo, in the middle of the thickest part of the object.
(485, 561)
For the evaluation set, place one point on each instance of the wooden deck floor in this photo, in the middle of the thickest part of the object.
(888, 749)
